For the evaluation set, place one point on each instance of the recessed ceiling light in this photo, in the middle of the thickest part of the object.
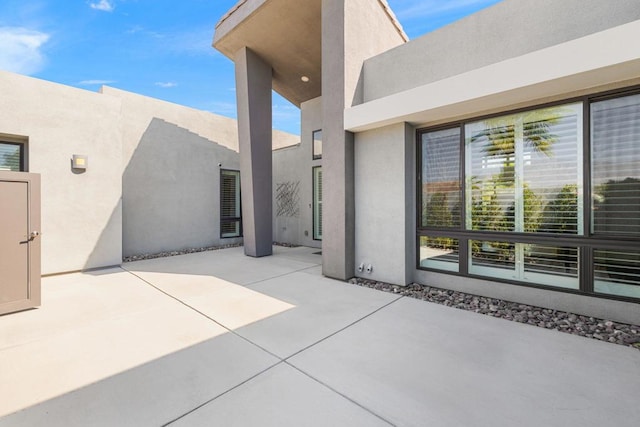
(305, 79)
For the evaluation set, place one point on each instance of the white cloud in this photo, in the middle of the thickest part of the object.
(20, 50)
(166, 84)
(95, 82)
(104, 5)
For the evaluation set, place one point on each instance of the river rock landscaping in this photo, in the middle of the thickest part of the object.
(585, 326)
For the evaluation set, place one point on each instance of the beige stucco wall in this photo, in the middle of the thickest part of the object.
(369, 31)
(292, 181)
(172, 156)
(161, 159)
(384, 193)
(81, 213)
(171, 161)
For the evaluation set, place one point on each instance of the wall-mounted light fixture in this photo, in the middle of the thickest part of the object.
(79, 162)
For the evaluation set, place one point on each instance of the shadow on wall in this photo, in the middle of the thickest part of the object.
(110, 238)
(171, 191)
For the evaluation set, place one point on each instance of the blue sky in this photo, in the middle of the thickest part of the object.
(158, 48)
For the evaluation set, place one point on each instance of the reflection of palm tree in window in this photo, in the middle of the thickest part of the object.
(500, 136)
(493, 196)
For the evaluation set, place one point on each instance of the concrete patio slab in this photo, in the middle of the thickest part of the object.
(231, 264)
(287, 346)
(279, 397)
(154, 393)
(322, 307)
(97, 326)
(415, 363)
(229, 304)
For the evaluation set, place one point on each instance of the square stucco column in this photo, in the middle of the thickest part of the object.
(253, 91)
(338, 235)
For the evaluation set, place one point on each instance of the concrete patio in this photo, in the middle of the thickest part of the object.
(217, 338)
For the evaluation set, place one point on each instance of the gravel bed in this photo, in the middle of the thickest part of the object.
(590, 327)
(180, 252)
(285, 245)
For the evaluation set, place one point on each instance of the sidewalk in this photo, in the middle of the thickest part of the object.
(217, 338)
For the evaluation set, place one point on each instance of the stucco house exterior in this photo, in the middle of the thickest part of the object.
(499, 155)
(155, 177)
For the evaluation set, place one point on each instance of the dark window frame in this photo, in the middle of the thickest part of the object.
(313, 204)
(227, 220)
(315, 156)
(586, 243)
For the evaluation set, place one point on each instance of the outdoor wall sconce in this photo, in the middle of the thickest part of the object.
(79, 162)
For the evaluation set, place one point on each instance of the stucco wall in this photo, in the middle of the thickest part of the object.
(383, 197)
(351, 32)
(81, 213)
(368, 32)
(508, 29)
(171, 177)
(292, 182)
(171, 191)
(172, 156)
(153, 181)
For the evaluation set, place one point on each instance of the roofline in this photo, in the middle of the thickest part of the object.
(383, 3)
(393, 18)
(230, 12)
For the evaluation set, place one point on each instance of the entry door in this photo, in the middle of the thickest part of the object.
(19, 241)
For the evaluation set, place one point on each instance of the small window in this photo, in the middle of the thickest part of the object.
(317, 144)
(230, 211)
(317, 203)
(11, 156)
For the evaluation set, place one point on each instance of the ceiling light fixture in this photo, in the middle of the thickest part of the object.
(305, 79)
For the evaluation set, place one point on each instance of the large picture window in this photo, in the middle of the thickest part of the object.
(504, 196)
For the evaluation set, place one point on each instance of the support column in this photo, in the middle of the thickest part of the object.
(253, 92)
(338, 216)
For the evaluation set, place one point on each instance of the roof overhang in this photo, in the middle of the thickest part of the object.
(287, 34)
(592, 61)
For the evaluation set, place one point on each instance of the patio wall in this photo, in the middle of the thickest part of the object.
(153, 180)
(81, 212)
(292, 182)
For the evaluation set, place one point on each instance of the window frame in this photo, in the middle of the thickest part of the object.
(227, 220)
(314, 216)
(315, 156)
(21, 146)
(586, 243)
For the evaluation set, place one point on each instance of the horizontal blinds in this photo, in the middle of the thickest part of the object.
(230, 206)
(617, 272)
(552, 174)
(441, 178)
(230, 203)
(491, 162)
(524, 172)
(317, 203)
(615, 134)
(10, 156)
